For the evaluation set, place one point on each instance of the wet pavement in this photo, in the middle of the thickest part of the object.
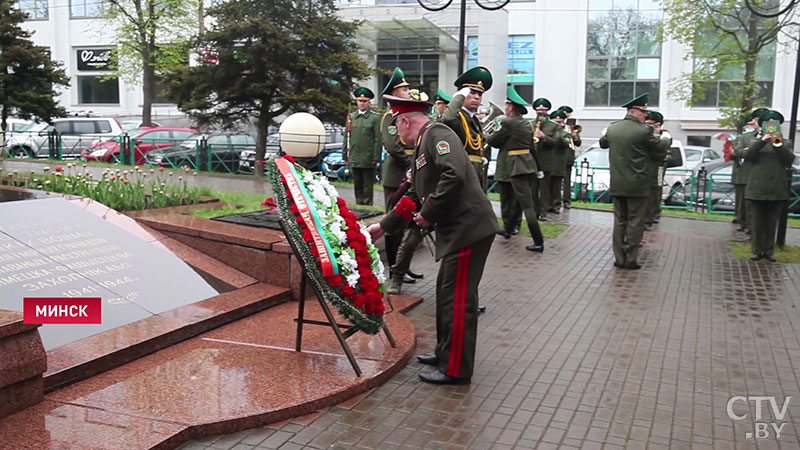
(574, 353)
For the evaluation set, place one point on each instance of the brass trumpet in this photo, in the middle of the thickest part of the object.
(575, 129)
(777, 141)
(537, 128)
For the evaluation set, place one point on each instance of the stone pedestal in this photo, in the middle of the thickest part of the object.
(22, 363)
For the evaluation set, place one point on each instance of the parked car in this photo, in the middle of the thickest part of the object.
(76, 134)
(333, 141)
(144, 139)
(225, 149)
(721, 191)
(128, 125)
(247, 157)
(334, 168)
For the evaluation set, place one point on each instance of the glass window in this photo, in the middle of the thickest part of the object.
(35, 9)
(472, 52)
(623, 53)
(92, 89)
(218, 139)
(181, 134)
(103, 126)
(242, 139)
(86, 8)
(693, 155)
(62, 127)
(84, 127)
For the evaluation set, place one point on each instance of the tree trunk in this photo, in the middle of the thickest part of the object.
(148, 86)
(748, 94)
(261, 142)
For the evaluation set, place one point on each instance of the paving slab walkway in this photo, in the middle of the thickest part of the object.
(574, 353)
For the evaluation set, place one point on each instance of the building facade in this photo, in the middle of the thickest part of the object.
(592, 55)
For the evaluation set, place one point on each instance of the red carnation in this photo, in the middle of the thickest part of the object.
(293, 208)
(335, 280)
(406, 207)
(351, 234)
(288, 158)
(307, 235)
(359, 300)
(300, 221)
(340, 201)
(59, 168)
(347, 291)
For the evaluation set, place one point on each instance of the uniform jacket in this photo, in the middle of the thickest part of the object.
(454, 117)
(767, 177)
(551, 149)
(576, 141)
(562, 152)
(448, 189)
(398, 154)
(363, 144)
(633, 145)
(515, 133)
(740, 167)
(653, 165)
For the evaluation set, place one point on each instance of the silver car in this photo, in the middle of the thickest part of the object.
(71, 134)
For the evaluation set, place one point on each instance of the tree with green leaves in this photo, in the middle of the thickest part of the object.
(731, 48)
(28, 76)
(152, 36)
(270, 59)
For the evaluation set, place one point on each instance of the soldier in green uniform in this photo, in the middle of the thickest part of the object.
(551, 155)
(741, 167)
(542, 107)
(632, 145)
(453, 203)
(440, 102)
(363, 145)
(460, 115)
(561, 155)
(767, 185)
(516, 168)
(566, 199)
(398, 156)
(655, 168)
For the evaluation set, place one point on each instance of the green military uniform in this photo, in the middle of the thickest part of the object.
(451, 197)
(633, 146)
(740, 175)
(655, 169)
(362, 145)
(441, 98)
(552, 158)
(516, 169)
(466, 126)
(766, 190)
(561, 157)
(566, 198)
(398, 153)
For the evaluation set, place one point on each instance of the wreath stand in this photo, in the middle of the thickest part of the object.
(331, 321)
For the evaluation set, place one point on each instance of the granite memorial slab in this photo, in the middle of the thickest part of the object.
(271, 220)
(53, 248)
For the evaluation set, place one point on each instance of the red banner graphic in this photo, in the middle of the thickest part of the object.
(63, 310)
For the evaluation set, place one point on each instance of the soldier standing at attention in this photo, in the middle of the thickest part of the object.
(460, 115)
(452, 202)
(769, 156)
(398, 156)
(363, 145)
(516, 167)
(562, 149)
(655, 168)
(632, 146)
(566, 199)
(440, 102)
(741, 168)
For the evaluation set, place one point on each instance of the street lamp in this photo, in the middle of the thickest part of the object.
(438, 5)
(782, 223)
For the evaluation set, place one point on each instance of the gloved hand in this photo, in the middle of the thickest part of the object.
(540, 174)
(485, 161)
(463, 91)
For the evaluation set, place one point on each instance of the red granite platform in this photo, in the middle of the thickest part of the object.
(241, 375)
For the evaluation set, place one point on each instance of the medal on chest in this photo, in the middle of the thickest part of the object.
(421, 161)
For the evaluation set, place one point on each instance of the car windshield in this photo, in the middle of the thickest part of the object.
(28, 126)
(693, 155)
(796, 159)
(722, 174)
(597, 157)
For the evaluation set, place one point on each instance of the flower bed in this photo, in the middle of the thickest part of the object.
(123, 190)
(338, 253)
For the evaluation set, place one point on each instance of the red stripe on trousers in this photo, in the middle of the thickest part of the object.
(459, 311)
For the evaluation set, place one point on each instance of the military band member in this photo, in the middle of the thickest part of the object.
(363, 145)
(550, 155)
(440, 102)
(741, 168)
(632, 146)
(453, 203)
(561, 156)
(398, 156)
(566, 199)
(769, 155)
(656, 168)
(460, 115)
(542, 107)
(516, 167)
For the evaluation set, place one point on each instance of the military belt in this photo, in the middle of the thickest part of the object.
(409, 151)
(522, 151)
(476, 158)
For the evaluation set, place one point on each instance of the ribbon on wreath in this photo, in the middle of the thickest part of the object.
(308, 212)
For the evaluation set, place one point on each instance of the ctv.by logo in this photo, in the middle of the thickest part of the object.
(761, 428)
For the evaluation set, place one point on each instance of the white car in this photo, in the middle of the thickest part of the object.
(75, 133)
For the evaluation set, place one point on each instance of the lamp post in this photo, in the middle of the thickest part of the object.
(782, 223)
(438, 5)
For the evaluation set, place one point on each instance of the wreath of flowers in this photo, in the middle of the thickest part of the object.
(357, 289)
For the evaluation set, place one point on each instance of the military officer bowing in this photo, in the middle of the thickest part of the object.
(453, 203)
(516, 167)
(363, 145)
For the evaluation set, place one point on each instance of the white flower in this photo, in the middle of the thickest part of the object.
(378, 270)
(347, 261)
(352, 279)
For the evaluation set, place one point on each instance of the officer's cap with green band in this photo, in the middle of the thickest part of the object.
(654, 116)
(542, 102)
(441, 96)
(639, 102)
(755, 114)
(558, 114)
(478, 78)
(513, 97)
(363, 93)
(770, 115)
(397, 80)
(566, 109)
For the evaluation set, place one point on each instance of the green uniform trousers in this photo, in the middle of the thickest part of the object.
(363, 179)
(567, 197)
(654, 205)
(510, 210)
(457, 307)
(741, 204)
(764, 216)
(481, 172)
(629, 217)
(555, 191)
(411, 241)
(544, 193)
